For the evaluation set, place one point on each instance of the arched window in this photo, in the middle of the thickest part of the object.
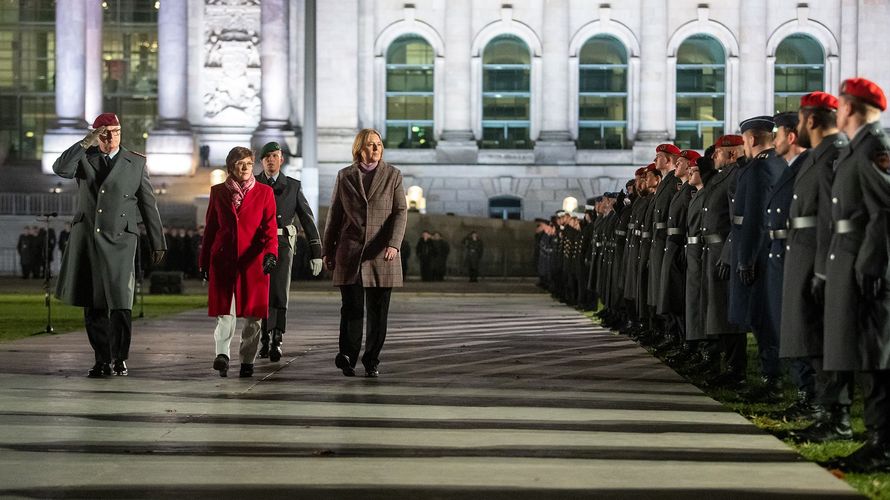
(602, 94)
(505, 207)
(800, 69)
(409, 93)
(506, 94)
(701, 92)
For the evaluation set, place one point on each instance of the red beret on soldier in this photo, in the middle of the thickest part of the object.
(729, 141)
(106, 120)
(640, 172)
(691, 155)
(866, 91)
(651, 167)
(668, 148)
(819, 100)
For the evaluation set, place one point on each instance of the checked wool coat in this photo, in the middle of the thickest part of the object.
(360, 226)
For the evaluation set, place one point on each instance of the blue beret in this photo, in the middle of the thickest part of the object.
(787, 119)
(764, 123)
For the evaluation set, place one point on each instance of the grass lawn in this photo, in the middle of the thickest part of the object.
(21, 315)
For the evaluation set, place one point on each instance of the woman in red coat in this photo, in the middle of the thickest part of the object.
(239, 250)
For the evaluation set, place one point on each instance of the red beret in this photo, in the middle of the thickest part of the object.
(728, 141)
(691, 155)
(819, 100)
(865, 90)
(651, 168)
(668, 148)
(640, 172)
(106, 120)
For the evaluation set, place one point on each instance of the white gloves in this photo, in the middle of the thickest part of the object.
(315, 266)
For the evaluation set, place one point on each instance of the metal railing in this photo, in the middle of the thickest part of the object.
(37, 203)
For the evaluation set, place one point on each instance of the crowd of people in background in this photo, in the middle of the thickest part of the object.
(432, 253)
(780, 232)
(36, 248)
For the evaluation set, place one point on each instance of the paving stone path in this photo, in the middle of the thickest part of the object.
(480, 396)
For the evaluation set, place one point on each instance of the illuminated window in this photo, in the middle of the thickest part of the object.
(505, 207)
(409, 93)
(506, 94)
(800, 69)
(602, 94)
(701, 92)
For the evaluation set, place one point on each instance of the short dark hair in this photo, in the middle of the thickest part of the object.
(823, 118)
(237, 154)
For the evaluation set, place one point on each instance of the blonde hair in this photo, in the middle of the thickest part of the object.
(361, 139)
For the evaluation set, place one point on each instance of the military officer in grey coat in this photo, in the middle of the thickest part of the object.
(98, 265)
(715, 228)
(290, 205)
(857, 323)
(809, 234)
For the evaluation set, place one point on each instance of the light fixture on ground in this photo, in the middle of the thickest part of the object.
(415, 200)
(217, 176)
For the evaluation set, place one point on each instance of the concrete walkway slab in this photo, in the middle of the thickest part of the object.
(480, 396)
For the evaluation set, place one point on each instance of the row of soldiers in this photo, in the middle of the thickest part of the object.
(782, 231)
(36, 248)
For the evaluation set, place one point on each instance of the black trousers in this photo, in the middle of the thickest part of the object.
(876, 395)
(109, 333)
(354, 300)
(832, 388)
(735, 351)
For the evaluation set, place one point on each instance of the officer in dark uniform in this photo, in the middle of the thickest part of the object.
(809, 230)
(290, 206)
(778, 204)
(632, 254)
(666, 162)
(715, 229)
(703, 354)
(587, 295)
(614, 316)
(646, 313)
(750, 243)
(671, 295)
(857, 323)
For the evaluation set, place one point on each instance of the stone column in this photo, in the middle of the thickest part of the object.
(93, 87)
(457, 144)
(309, 174)
(752, 71)
(654, 100)
(275, 108)
(170, 148)
(555, 145)
(70, 126)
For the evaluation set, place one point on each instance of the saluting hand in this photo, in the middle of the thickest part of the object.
(92, 136)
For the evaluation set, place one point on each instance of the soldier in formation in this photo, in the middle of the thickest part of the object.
(779, 232)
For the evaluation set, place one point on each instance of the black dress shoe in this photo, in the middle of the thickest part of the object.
(342, 362)
(872, 457)
(246, 370)
(120, 368)
(221, 364)
(99, 370)
(372, 372)
(275, 349)
(264, 351)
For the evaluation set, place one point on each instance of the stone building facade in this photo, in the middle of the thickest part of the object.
(493, 108)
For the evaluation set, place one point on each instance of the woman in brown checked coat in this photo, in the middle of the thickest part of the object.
(362, 237)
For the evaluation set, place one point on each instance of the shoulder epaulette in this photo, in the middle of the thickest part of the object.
(138, 154)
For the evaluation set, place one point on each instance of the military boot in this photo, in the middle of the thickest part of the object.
(832, 425)
(872, 457)
(264, 345)
(275, 348)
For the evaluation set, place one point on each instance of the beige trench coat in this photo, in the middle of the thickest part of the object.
(360, 226)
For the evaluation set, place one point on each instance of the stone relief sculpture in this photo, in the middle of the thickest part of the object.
(231, 88)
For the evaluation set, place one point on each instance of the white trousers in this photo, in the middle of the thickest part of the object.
(225, 331)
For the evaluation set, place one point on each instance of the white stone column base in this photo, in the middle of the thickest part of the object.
(171, 153)
(55, 142)
(457, 147)
(555, 152)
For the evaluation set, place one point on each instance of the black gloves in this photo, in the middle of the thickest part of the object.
(817, 288)
(205, 275)
(722, 271)
(871, 287)
(269, 263)
(746, 275)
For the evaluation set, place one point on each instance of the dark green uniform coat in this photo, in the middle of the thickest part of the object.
(98, 265)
